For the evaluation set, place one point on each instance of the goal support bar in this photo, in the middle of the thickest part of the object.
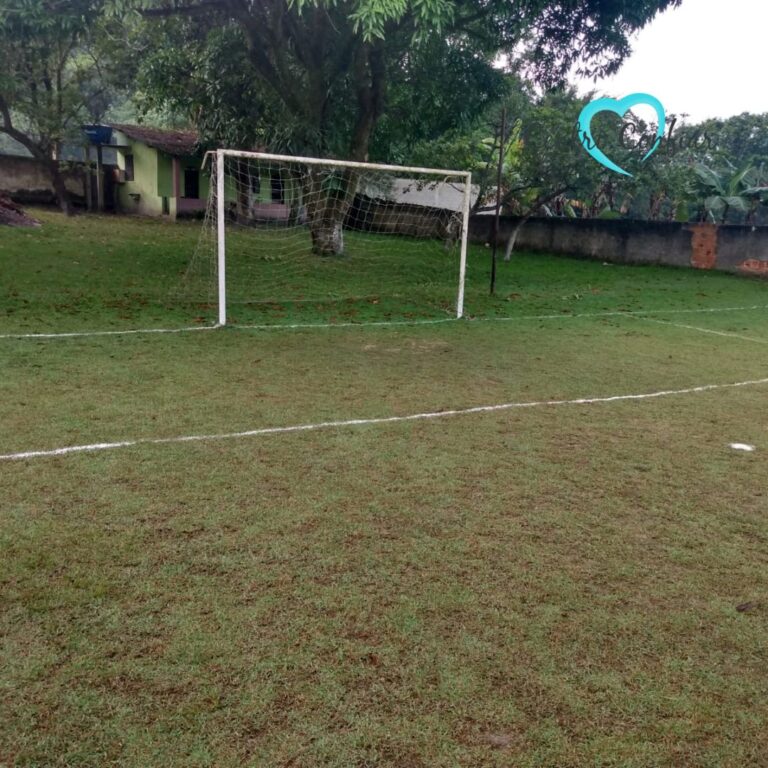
(221, 238)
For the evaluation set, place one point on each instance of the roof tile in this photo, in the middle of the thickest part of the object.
(171, 142)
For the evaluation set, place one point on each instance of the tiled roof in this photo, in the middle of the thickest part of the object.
(171, 142)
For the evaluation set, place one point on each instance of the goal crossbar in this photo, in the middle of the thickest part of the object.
(343, 163)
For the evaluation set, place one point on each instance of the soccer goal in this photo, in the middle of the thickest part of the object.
(298, 239)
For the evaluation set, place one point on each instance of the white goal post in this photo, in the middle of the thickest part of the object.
(231, 185)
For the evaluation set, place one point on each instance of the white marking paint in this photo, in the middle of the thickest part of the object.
(624, 313)
(372, 324)
(372, 421)
(742, 447)
(378, 324)
(81, 334)
(726, 334)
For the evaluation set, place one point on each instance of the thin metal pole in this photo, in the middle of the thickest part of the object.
(464, 236)
(99, 179)
(221, 223)
(498, 199)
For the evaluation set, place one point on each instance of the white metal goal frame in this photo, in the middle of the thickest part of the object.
(221, 154)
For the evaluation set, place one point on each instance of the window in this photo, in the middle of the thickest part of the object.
(256, 185)
(129, 167)
(278, 195)
(192, 183)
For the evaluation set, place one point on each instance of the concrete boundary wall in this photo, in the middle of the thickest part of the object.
(737, 249)
(26, 181)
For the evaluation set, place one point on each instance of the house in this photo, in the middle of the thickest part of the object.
(163, 172)
(159, 172)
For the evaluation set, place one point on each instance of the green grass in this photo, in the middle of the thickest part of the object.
(108, 272)
(552, 586)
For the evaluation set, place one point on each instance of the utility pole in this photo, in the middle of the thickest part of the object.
(494, 244)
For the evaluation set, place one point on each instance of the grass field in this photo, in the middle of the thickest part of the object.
(112, 273)
(557, 583)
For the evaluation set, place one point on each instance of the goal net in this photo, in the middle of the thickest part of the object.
(302, 240)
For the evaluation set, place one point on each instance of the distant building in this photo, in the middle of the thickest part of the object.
(446, 195)
(159, 172)
(162, 173)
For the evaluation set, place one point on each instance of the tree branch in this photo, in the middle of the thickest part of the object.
(9, 130)
(187, 10)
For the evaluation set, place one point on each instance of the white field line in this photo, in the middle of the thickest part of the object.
(623, 313)
(377, 323)
(80, 334)
(726, 334)
(371, 421)
(380, 324)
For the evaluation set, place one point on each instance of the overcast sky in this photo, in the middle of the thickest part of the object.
(708, 58)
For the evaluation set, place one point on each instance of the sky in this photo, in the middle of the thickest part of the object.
(706, 58)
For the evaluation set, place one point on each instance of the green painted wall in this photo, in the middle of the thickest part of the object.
(153, 181)
(139, 195)
(153, 178)
(164, 174)
(291, 191)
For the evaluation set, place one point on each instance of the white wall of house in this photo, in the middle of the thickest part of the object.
(433, 194)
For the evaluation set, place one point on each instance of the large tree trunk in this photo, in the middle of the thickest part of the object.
(59, 187)
(328, 237)
(535, 207)
(329, 203)
(329, 197)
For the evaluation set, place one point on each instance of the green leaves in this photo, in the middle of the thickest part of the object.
(370, 17)
(709, 178)
(372, 77)
(730, 189)
(50, 67)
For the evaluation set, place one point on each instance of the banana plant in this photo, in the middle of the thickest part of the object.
(757, 192)
(730, 189)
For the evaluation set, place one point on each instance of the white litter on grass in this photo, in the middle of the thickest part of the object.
(742, 447)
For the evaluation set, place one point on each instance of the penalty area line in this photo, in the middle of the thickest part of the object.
(641, 313)
(380, 323)
(93, 447)
(725, 334)
(235, 326)
(128, 332)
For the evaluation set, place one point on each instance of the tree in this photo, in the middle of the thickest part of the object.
(549, 162)
(736, 138)
(321, 70)
(657, 186)
(50, 77)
